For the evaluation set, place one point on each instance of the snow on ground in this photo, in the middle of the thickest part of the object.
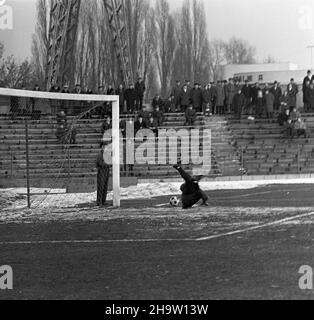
(15, 199)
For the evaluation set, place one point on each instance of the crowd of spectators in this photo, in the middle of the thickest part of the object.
(216, 98)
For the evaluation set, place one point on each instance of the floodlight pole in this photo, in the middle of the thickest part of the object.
(311, 48)
(116, 153)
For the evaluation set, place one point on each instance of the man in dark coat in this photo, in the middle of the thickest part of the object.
(254, 93)
(307, 78)
(277, 93)
(229, 93)
(140, 90)
(310, 97)
(196, 96)
(121, 93)
(130, 98)
(176, 93)
(292, 94)
(207, 101)
(305, 90)
(191, 191)
(238, 103)
(246, 91)
(103, 172)
(185, 98)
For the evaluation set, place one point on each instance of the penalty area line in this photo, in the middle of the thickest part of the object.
(261, 226)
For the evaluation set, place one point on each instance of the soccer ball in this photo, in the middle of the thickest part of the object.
(174, 202)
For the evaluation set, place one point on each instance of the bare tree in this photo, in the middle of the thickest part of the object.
(14, 74)
(217, 58)
(192, 56)
(166, 44)
(269, 59)
(40, 41)
(239, 51)
(135, 14)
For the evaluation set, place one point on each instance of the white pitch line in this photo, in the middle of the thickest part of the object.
(270, 224)
(222, 235)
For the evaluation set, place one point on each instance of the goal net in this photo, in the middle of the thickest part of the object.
(50, 142)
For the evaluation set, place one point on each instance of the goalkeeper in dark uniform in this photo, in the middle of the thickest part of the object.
(191, 191)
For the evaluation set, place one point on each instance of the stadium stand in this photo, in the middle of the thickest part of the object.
(53, 164)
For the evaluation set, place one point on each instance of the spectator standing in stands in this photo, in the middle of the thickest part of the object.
(260, 106)
(103, 172)
(229, 92)
(158, 116)
(110, 90)
(121, 93)
(307, 78)
(305, 89)
(185, 98)
(196, 95)
(220, 98)
(292, 94)
(176, 93)
(130, 98)
(269, 102)
(207, 101)
(190, 116)
(310, 97)
(246, 91)
(254, 91)
(213, 94)
(188, 85)
(277, 93)
(140, 91)
(238, 103)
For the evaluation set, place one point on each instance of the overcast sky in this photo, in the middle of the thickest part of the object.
(280, 28)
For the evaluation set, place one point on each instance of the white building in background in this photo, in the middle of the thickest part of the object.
(266, 73)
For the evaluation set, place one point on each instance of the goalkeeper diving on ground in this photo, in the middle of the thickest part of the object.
(191, 191)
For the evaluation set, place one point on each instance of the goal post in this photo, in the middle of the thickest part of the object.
(114, 100)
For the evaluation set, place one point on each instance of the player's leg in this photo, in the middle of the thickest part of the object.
(183, 174)
(188, 201)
